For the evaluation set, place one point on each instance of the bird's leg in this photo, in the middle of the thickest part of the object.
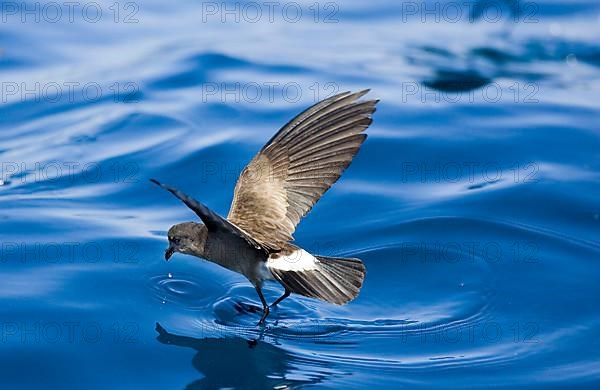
(281, 298)
(265, 306)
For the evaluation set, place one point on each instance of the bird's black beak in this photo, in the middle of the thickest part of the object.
(169, 252)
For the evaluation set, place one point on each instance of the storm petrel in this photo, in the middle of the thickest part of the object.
(277, 188)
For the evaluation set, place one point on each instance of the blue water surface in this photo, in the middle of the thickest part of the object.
(474, 203)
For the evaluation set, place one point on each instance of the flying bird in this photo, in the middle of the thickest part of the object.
(277, 188)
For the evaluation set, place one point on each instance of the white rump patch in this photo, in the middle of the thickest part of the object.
(299, 260)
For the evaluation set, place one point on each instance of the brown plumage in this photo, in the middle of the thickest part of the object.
(297, 166)
(279, 186)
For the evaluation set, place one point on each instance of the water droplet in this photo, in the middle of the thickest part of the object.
(170, 275)
(571, 60)
(1, 182)
(462, 284)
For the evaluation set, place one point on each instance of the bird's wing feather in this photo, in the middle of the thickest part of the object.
(298, 165)
(213, 221)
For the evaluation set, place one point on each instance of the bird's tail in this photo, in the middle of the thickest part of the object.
(334, 279)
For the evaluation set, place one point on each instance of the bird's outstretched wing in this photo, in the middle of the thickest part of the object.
(213, 221)
(298, 165)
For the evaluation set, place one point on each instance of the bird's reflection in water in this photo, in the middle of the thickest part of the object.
(244, 364)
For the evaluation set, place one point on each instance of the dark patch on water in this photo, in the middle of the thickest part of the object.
(456, 81)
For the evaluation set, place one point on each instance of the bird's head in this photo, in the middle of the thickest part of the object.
(188, 238)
